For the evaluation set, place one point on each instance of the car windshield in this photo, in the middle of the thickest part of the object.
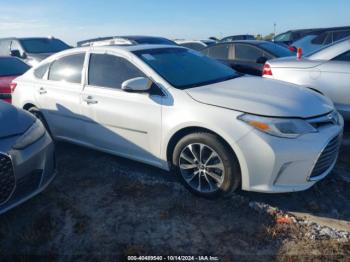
(283, 37)
(10, 66)
(43, 45)
(277, 50)
(184, 68)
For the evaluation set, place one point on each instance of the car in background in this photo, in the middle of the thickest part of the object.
(174, 108)
(197, 45)
(305, 44)
(236, 38)
(10, 68)
(291, 36)
(326, 70)
(27, 160)
(126, 40)
(312, 43)
(247, 57)
(31, 49)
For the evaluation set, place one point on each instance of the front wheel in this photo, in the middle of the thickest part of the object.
(206, 166)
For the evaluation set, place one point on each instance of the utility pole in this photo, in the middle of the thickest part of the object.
(274, 29)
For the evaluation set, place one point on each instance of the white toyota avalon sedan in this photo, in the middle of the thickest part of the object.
(176, 109)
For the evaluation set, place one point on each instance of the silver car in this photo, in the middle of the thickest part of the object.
(172, 107)
(27, 163)
(327, 71)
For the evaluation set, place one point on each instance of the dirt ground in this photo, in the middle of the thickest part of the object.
(102, 207)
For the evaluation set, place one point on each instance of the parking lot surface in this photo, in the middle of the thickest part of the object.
(105, 206)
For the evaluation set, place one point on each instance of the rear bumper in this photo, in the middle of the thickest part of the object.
(34, 168)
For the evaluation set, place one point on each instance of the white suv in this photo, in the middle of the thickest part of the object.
(172, 107)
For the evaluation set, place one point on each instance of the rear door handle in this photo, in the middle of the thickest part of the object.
(90, 100)
(42, 91)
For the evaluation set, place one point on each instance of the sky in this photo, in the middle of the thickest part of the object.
(186, 19)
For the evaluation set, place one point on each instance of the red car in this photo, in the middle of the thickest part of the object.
(10, 68)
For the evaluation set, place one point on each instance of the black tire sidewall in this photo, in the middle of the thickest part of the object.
(232, 179)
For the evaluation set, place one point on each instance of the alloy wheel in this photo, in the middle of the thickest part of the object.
(202, 168)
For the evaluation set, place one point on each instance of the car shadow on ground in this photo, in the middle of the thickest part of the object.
(100, 204)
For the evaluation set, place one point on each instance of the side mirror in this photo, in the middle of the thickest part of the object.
(138, 84)
(261, 60)
(16, 53)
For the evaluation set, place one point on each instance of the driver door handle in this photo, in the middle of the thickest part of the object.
(42, 91)
(90, 100)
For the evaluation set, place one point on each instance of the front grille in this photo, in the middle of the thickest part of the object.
(27, 185)
(327, 157)
(7, 178)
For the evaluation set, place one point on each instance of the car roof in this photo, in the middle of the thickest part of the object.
(134, 38)
(250, 42)
(195, 41)
(8, 56)
(128, 48)
(311, 30)
(237, 35)
(26, 38)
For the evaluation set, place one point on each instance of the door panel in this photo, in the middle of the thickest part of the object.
(334, 81)
(59, 97)
(60, 104)
(124, 123)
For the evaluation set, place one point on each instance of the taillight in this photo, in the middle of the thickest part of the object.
(292, 48)
(13, 86)
(267, 70)
(299, 53)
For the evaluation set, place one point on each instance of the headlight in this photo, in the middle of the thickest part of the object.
(35, 132)
(281, 127)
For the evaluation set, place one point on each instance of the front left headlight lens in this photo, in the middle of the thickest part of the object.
(34, 133)
(280, 127)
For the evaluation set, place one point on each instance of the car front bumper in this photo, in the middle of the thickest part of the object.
(33, 169)
(277, 165)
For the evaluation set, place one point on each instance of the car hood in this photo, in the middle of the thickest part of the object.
(265, 97)
(13, 121)
(293, 62)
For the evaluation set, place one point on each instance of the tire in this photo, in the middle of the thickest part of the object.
(213, 173)
(36, 112)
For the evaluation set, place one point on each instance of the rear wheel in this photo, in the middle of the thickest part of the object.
(206, 166)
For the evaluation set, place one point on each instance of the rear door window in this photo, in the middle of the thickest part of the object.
(111, 71)
(68, 69)
(218, 51)
(247, 53)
